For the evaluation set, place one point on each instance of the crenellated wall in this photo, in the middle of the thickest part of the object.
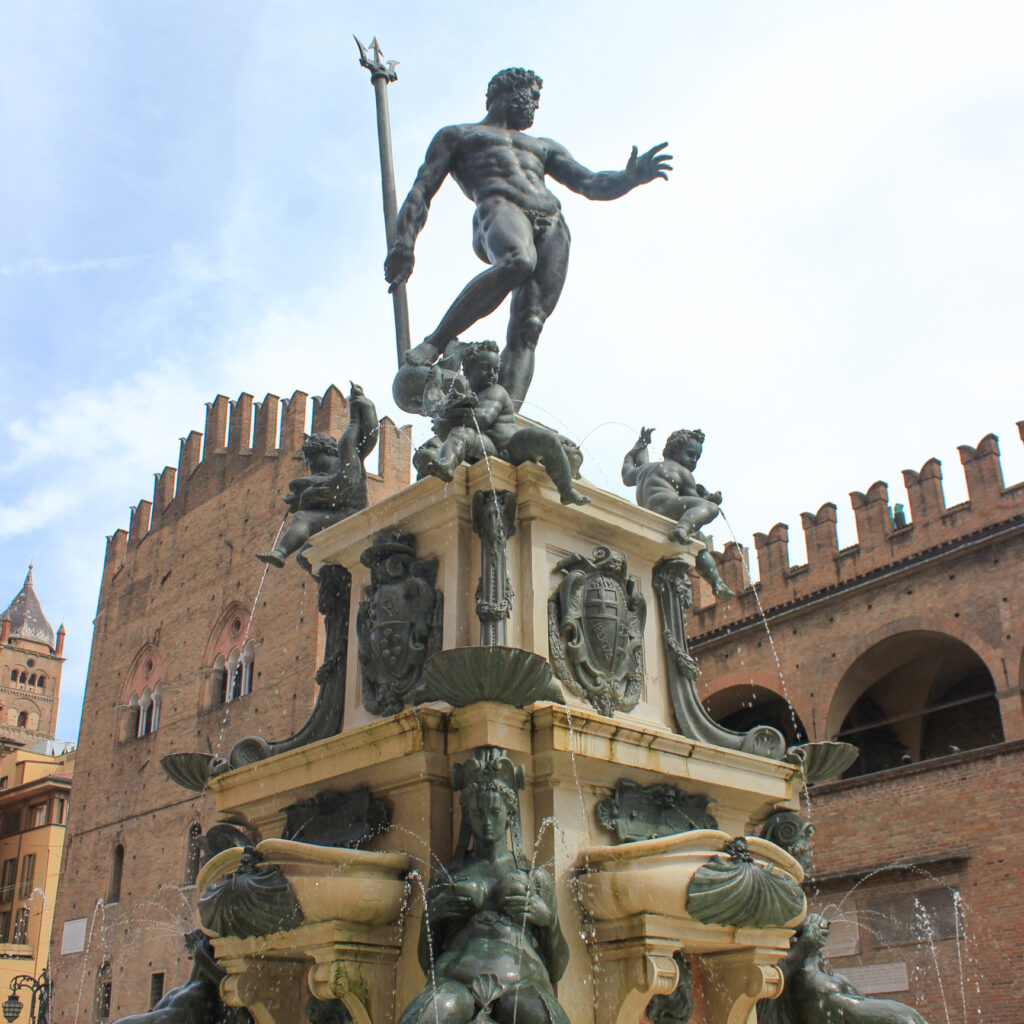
(881, 541)
(236, 439)
(181, 586)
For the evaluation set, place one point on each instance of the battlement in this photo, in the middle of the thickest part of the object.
(885, 537)
(238, 438)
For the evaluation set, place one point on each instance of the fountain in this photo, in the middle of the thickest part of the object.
(496, 670)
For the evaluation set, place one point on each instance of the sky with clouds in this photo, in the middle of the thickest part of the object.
(829, 284)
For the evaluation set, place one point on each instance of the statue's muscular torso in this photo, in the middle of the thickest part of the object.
(489, 161)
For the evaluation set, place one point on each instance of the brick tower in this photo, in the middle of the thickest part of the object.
(30, 666)
(193, 648)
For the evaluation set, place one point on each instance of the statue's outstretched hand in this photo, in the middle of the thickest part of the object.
(398, 265)
(646, 433)
(652, 164)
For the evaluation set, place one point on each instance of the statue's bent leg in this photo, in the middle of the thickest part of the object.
(298, 532)
(506, 237)
(707, 569)
(532, 304)
(540, 445)
(448, 1002)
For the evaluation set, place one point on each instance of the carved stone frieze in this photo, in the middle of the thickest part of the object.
(595, 630)
(399, 622)
(347, 819)
(494, 515)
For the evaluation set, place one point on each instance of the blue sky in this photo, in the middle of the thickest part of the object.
(829, 285)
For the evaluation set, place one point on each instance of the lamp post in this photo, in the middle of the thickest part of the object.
(41, 989)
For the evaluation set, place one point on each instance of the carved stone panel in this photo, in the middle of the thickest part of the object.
(399, 622)
(637, 812)
(595, 630)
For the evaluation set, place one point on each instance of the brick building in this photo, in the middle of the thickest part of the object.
(910, 645)
(193, 648)
(30, 666)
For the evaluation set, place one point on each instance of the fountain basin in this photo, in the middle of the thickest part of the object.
(330, 883)
(508, 675)
(653, 876)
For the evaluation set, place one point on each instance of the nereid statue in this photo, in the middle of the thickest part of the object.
(517, 227)
(669, 488)
(490, 945)
(336, 485)
(476, 419)
(813, 994)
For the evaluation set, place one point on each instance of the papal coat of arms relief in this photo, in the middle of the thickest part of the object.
(595, 630)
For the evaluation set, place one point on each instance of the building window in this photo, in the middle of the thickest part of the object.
(193, 852)
(7, 876)
(60, 810)
(37, 815)
(156, 988)
(14, 675)
(20, 933)
(3, 781)
(40, 681)
(23, 720)
(103, 993)
(116, 870)
(5, 925)
(25, 879)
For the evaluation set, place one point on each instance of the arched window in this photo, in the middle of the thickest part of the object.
(193, 852)
(130, 722)
(14, 675)
(103, 986)
(40, 680)
(248, 666)
(220, 680)
(32, 680)
(158, 693)
(914, 696)
(145, 713)
(22, 678)
(23, 720)
(116, 870)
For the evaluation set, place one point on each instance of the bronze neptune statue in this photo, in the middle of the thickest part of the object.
(491, 945)
(517, 228)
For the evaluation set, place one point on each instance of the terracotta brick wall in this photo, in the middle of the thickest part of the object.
(954, 822)
(169, 584)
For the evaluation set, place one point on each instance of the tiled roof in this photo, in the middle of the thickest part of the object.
(26, 616)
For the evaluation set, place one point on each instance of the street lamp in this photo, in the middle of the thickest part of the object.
(40, 987)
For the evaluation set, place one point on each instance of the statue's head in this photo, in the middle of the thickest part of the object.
(488, 783)
(480, 361)
(319, 446)
(514, 94)
(684, 447)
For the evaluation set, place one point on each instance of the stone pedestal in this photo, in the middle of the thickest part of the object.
(573, 757)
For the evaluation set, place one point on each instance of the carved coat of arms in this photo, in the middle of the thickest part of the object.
(398, 624)
(595, 630)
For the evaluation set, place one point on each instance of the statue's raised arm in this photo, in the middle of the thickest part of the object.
(518, 227)
(608, 184)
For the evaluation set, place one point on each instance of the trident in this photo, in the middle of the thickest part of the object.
(380, 75)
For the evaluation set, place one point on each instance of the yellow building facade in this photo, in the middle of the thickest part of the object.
(35, 788)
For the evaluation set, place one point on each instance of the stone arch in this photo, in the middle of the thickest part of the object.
(147, 668)
(912, 694)
(749, 703)
(228, 662)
